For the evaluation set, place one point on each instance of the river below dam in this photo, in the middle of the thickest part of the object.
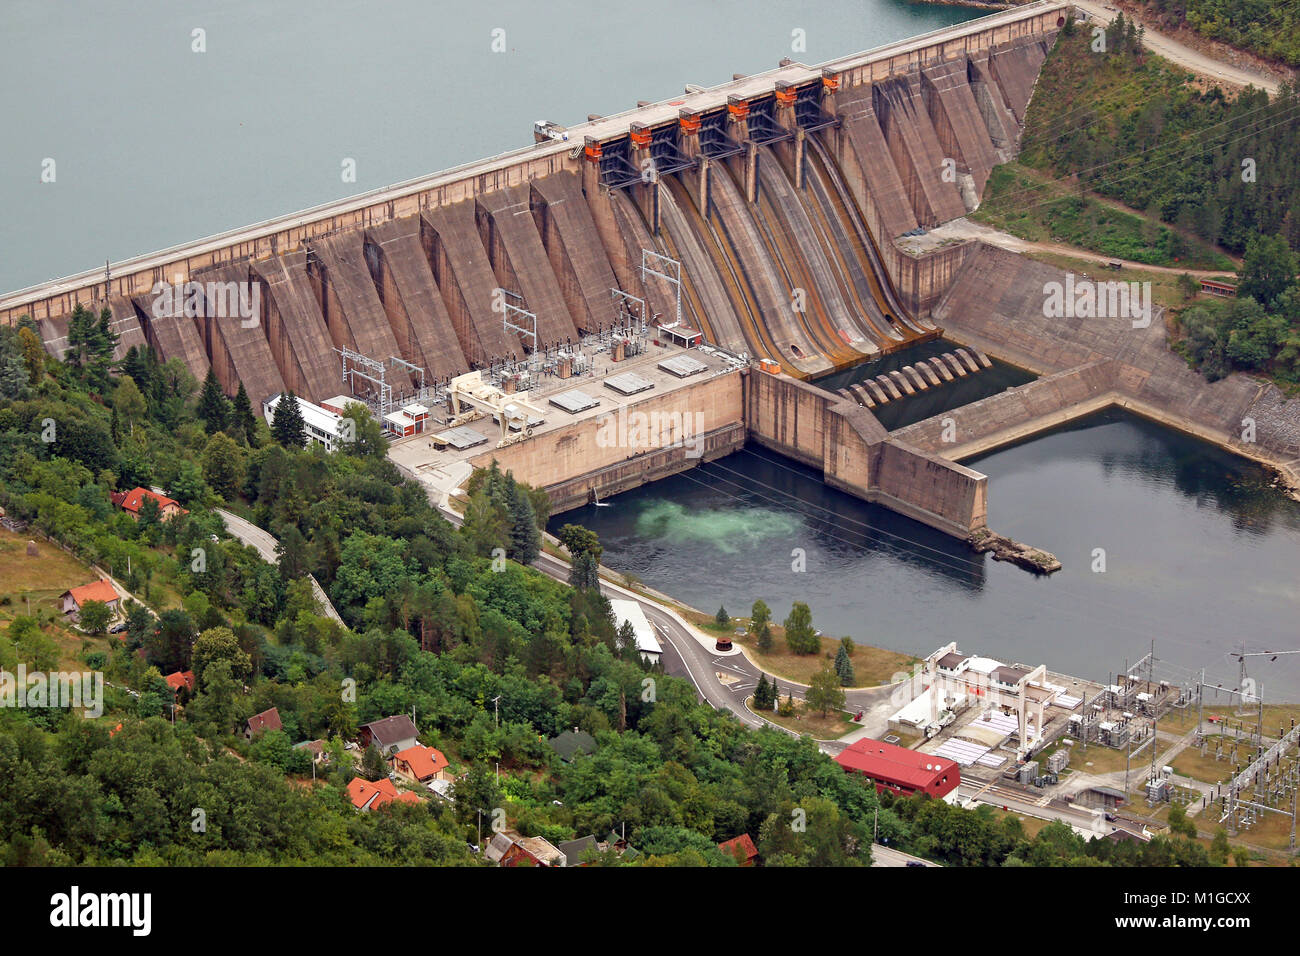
(155, 142)
(1200, 553)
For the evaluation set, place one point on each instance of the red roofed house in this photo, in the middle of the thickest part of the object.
(742, 848)
(902, 771)
(180, 679)
(101, 590)
(130, 502)
(260, 723)
(509, 848)
(368, 795)
(421, 764)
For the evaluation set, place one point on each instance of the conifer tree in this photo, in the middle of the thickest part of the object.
(242, 415)
(287, 426)
(525, 539)
(844, 667)
(760, 617)
(213, 408)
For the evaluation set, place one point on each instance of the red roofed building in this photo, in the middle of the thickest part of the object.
(260, 723)
(130, 502)
(181, 679)
(368, 795)
(101, 590)
(902, 771)
(742, 848)
(420, 764)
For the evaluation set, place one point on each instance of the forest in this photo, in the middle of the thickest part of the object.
(1270, 28)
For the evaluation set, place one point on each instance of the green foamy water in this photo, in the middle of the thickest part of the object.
(730, 530)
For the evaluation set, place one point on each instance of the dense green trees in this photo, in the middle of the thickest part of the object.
(1131, 128)
(1240, 334)
(1263, 26)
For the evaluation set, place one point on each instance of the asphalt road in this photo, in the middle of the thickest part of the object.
(887, 856)
(265, 543)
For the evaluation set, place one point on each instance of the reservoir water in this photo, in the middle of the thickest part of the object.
(156, 144)
(1200, 553)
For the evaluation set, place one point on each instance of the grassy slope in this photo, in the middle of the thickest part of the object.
(1077, 88)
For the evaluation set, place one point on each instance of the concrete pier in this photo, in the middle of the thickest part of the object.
(464, 274)
(300, 340)
(506, 226)
(242, 352)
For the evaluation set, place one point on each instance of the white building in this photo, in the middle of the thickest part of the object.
(646, 642)
(321, 424)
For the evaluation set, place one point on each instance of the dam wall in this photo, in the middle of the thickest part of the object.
(856, 454)
(887, 115)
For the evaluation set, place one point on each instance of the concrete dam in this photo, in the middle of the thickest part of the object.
(778, 194)
(762, 213)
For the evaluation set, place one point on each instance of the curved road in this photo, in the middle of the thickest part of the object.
(1183, 55)
(250, 534)
(685, 655)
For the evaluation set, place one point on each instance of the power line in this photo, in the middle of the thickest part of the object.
(1015, 596)
(834, 517)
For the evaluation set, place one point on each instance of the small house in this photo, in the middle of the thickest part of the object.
(509, 848)
(573, 742)
(261, 723)
(101, 590)
(319, 755)
(180, 680)
(389, 735)
(741, 848)
(420, 764)
(131, 502)
(371, 795)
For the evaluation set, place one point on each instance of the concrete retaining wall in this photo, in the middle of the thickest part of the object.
(856, 455)
(996, 305)
(1014, 414)
(592, 451)
(644, 468)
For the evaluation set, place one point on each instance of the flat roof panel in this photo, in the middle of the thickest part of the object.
(462, 437)
(629, 383)
(574, 401)
(683, 366)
